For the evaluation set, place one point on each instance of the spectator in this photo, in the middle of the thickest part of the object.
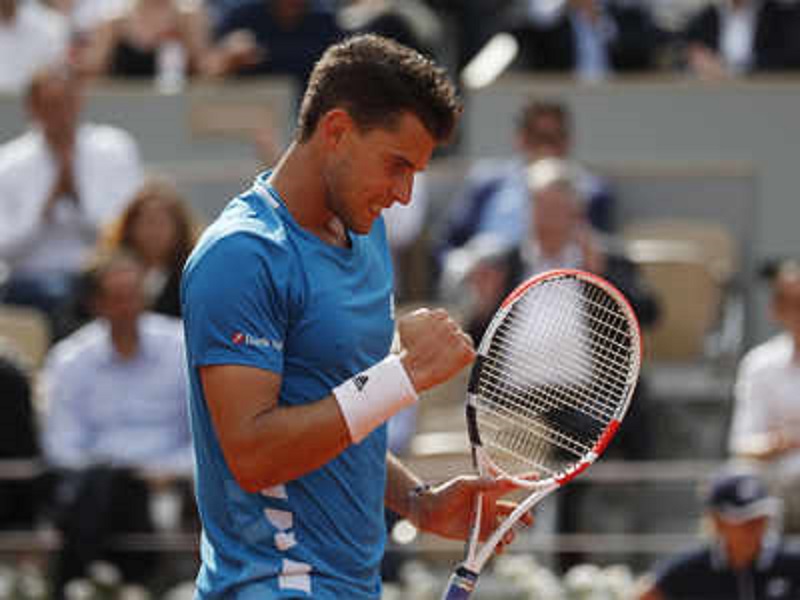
(740, 36)
(85, 15)
(158, 228)
(272, 37)
(766, 413)
(59, 184)
(745, 558)
(140, 40)
(559, 237)
(20, 501)
(117, 427)
(591, 38)
(496, 199)
(31, 37)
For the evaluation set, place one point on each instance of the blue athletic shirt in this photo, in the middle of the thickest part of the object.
(260, 291)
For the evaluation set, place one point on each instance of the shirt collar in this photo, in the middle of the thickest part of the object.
(144, 351)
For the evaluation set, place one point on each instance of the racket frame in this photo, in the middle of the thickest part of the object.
(464, 578)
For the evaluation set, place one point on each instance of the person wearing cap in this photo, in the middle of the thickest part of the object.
(745, 558)
(765, 427)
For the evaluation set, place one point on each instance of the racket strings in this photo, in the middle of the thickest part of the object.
(532, 433)
(557, 370)
(599, 354)
(519, 389)
(514, 362)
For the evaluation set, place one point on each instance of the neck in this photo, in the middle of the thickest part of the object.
(305, 196)
(125, 339)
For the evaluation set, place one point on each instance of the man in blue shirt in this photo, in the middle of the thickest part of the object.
(289, 319)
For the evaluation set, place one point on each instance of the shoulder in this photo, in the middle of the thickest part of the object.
(704, 19)
(108, 137)
(773, 353)
(244, 240)
(44, 19)
(81, 346)
(20, 151)
(162, 327)
(242, 13)
(690, 563)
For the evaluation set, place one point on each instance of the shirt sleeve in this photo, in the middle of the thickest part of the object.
(235, 303)
(749, 408)
(68, 434)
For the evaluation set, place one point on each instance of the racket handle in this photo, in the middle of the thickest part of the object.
(461, 584)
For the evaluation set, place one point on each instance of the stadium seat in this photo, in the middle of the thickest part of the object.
(27, 328)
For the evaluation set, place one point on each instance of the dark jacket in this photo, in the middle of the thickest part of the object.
(776, 45)
(553, 48)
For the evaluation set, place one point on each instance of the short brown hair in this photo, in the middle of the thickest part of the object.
(376, 79)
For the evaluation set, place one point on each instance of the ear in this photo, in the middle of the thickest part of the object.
(334, 126)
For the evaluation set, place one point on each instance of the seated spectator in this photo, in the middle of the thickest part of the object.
(591, 38)
(732, 37)
(157, 227)
(31, 37)
(272, 37)
(117, 428)
(20, 501)
(558, 237)
(138, 40)
(766, 413)
(60, 182)
(496, 199)
(745, 557)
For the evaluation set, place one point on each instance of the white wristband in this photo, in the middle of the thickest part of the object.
(371, 397)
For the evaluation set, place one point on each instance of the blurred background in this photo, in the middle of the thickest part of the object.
(129, 124)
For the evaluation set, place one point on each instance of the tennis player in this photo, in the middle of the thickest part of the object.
(288, 309)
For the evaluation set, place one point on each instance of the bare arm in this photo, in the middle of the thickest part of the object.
(265, 444)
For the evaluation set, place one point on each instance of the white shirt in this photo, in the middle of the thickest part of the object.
(737, 33)
(102, 408)
(107, 173)
(767, 397)
(36, 37)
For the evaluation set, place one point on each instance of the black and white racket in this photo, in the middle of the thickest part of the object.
(553, 378)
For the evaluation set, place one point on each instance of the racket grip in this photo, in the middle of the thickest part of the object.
(461, 585)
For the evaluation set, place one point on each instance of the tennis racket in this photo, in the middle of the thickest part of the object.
(552, 380)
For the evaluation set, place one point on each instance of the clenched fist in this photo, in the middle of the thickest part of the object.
(434, 347)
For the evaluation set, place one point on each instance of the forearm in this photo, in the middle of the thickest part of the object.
(401, 484)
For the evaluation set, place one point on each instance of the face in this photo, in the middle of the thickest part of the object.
(55, 105)
(556, 217)
(546, 137)
(786, 302)
(154, 232)
(742, 540)
(369, 171)
(120, 298)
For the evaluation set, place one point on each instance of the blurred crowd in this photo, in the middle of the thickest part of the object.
(96, 244)
(172, 41)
